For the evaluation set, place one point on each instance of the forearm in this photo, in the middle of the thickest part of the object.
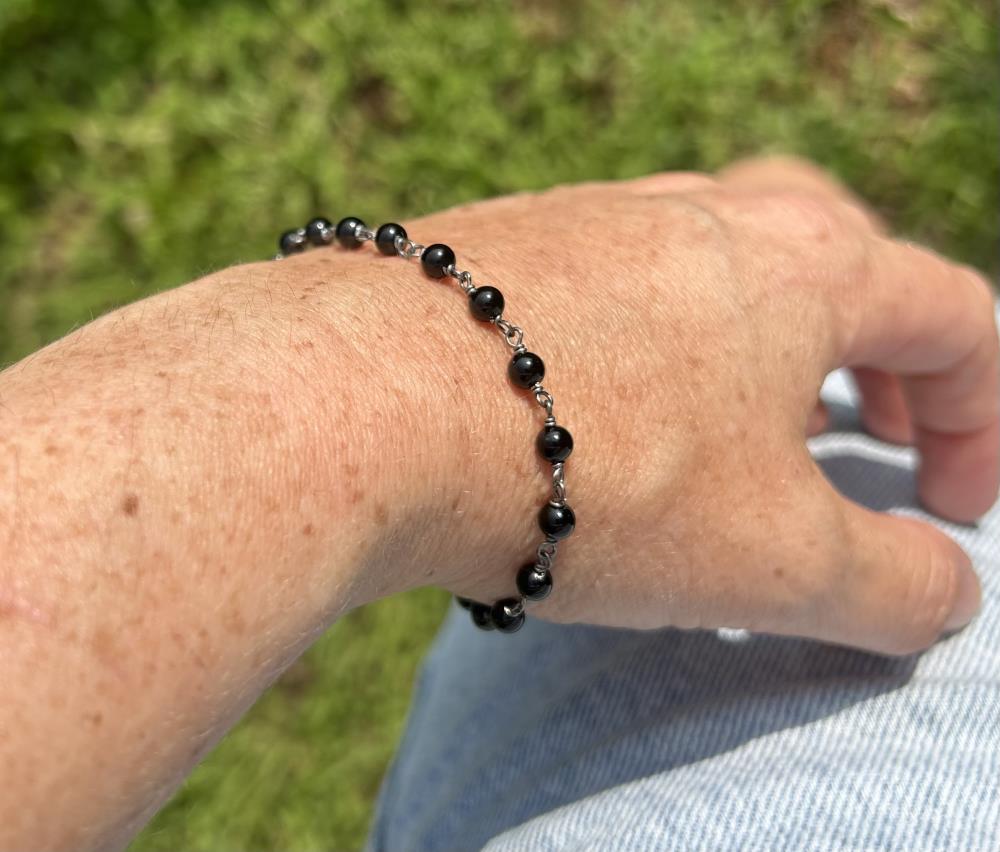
(193, 488)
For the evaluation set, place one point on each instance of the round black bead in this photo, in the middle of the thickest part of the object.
(385, 237)
(534, 583)
(320, 231)
(556, 521)
(481, 616)
(502, 621)
(435, 259)
(465, 603)
(555, 443)
(526, 369)
(292, 241)
(346, 230)
(486, 303)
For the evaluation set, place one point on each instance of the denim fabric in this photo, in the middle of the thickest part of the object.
(572, 737)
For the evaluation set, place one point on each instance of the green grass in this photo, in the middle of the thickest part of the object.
(143, 143)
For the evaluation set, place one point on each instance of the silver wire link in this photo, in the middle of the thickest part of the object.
(513, 335)
(462, 276)
(515, 610)
(558, 485)
(361, 233)
(546, 553)
(407, 248)
(543, 398)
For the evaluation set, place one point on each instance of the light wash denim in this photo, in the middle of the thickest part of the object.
(584, 738)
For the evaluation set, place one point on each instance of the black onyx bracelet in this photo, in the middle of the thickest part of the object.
(526, 370)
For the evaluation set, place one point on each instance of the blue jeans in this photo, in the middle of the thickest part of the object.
(573, 737)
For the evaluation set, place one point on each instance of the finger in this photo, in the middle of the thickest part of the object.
(904, 584)
(883, 405)
(932, 322)
(819, 419)
(775, 173)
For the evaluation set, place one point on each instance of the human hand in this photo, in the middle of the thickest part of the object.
(204, 480)
(687, 323)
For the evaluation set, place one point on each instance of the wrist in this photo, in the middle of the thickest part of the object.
(416, 425)
(439, 424)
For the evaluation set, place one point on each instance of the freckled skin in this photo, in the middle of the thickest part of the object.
(224, 489)
(128, 525)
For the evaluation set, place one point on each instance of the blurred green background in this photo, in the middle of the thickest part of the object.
(144, 143)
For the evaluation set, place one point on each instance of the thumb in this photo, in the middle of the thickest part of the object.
(908, 583)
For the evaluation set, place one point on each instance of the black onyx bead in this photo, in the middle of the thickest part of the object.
(555, 443)
(486, 303)
(481, 616)
(465, 603)
(292, 241)
(386, 235)
(526, 369)
(346, 230)
(502, 621)
(534, 583)
(320, 231)
(556, 521)
(435, 259)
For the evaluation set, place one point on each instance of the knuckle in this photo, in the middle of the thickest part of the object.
(927, 599)
(668, 184)
(982, 296)
(807, 214)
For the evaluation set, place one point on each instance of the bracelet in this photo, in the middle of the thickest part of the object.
(526, 370)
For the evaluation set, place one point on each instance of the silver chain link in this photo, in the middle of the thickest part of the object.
(558, 485)
(407, 248)
(546, 553)
(516, 609)
(543, 397)
(513, 335)
(462, 276)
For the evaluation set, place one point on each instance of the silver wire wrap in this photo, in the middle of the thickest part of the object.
(463, 277)
(513, 335)
(407, 248)
(558, 485)
(546, 553)
(515, 610)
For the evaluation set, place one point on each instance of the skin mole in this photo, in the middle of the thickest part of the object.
(130, 505)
